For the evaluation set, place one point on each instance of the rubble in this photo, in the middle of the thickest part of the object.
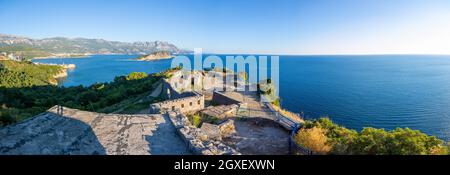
(198, 140)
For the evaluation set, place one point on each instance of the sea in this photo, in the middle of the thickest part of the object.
(382, 91)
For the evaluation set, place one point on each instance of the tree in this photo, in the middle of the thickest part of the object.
(371, 141)
(313, 139)
(6, 118)
(136, 76)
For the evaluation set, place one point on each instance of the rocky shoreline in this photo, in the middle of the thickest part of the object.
(60, 75)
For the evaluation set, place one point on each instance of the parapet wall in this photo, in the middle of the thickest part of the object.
(221, 99)
(197, 140)
(193, 103)
(168, 92)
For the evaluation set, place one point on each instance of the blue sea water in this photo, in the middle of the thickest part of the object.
(355, 91)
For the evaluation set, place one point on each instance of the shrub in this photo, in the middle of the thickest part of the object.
(136, 76)
(6, 118)
(276, 102)
(372, 141)
(313, 139)
(195, 120)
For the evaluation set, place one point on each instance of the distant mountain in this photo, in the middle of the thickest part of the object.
(61, 45)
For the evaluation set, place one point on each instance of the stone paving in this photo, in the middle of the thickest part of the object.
(87, 133)
(259, 136)
(253, 108)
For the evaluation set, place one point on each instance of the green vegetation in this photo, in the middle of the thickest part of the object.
(268, 89)
(169, 73)
(6, 118)
(314, 139)
(276, 102)
(370, 141)
(136, 76)
(19, 103)
(197, 120)
(27, 74)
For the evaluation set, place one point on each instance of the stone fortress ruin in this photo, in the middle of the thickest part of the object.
(202, 116)
(234, 111)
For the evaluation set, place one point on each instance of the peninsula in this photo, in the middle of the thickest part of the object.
(20, 74)
(159, 55)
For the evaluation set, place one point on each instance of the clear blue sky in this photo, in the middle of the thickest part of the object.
(243, 26)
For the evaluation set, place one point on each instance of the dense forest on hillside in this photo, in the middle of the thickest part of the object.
(27, 74)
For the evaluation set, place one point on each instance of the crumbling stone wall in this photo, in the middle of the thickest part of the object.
(198, 141)
(222, 111)
(168, 92)
(221, 99)
(189, 104)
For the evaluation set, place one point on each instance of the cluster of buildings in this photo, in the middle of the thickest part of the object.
(13, 56)
(185, 92)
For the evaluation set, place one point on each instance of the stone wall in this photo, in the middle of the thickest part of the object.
(284, 121)
(193, 103)
(198, 141)
(168, 92)
(221, 111)
(221, 99)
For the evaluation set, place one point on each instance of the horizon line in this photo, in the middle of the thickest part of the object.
(327, 54)
(243, 53)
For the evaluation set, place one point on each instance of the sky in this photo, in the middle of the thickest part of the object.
(243, 26)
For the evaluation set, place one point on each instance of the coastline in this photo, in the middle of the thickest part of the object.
(154, 59)
(61, 74)
(61, 56)
(159, 55)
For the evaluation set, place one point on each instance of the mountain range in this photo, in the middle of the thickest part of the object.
(62, 45)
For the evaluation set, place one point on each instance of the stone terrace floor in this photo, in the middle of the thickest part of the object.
(259, 136)
(87, 133)
(254, 107)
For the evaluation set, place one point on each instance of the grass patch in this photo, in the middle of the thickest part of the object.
(197, 119)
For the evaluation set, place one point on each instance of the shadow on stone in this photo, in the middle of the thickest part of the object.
(166, 141)
(259, 136)
(50, 134)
